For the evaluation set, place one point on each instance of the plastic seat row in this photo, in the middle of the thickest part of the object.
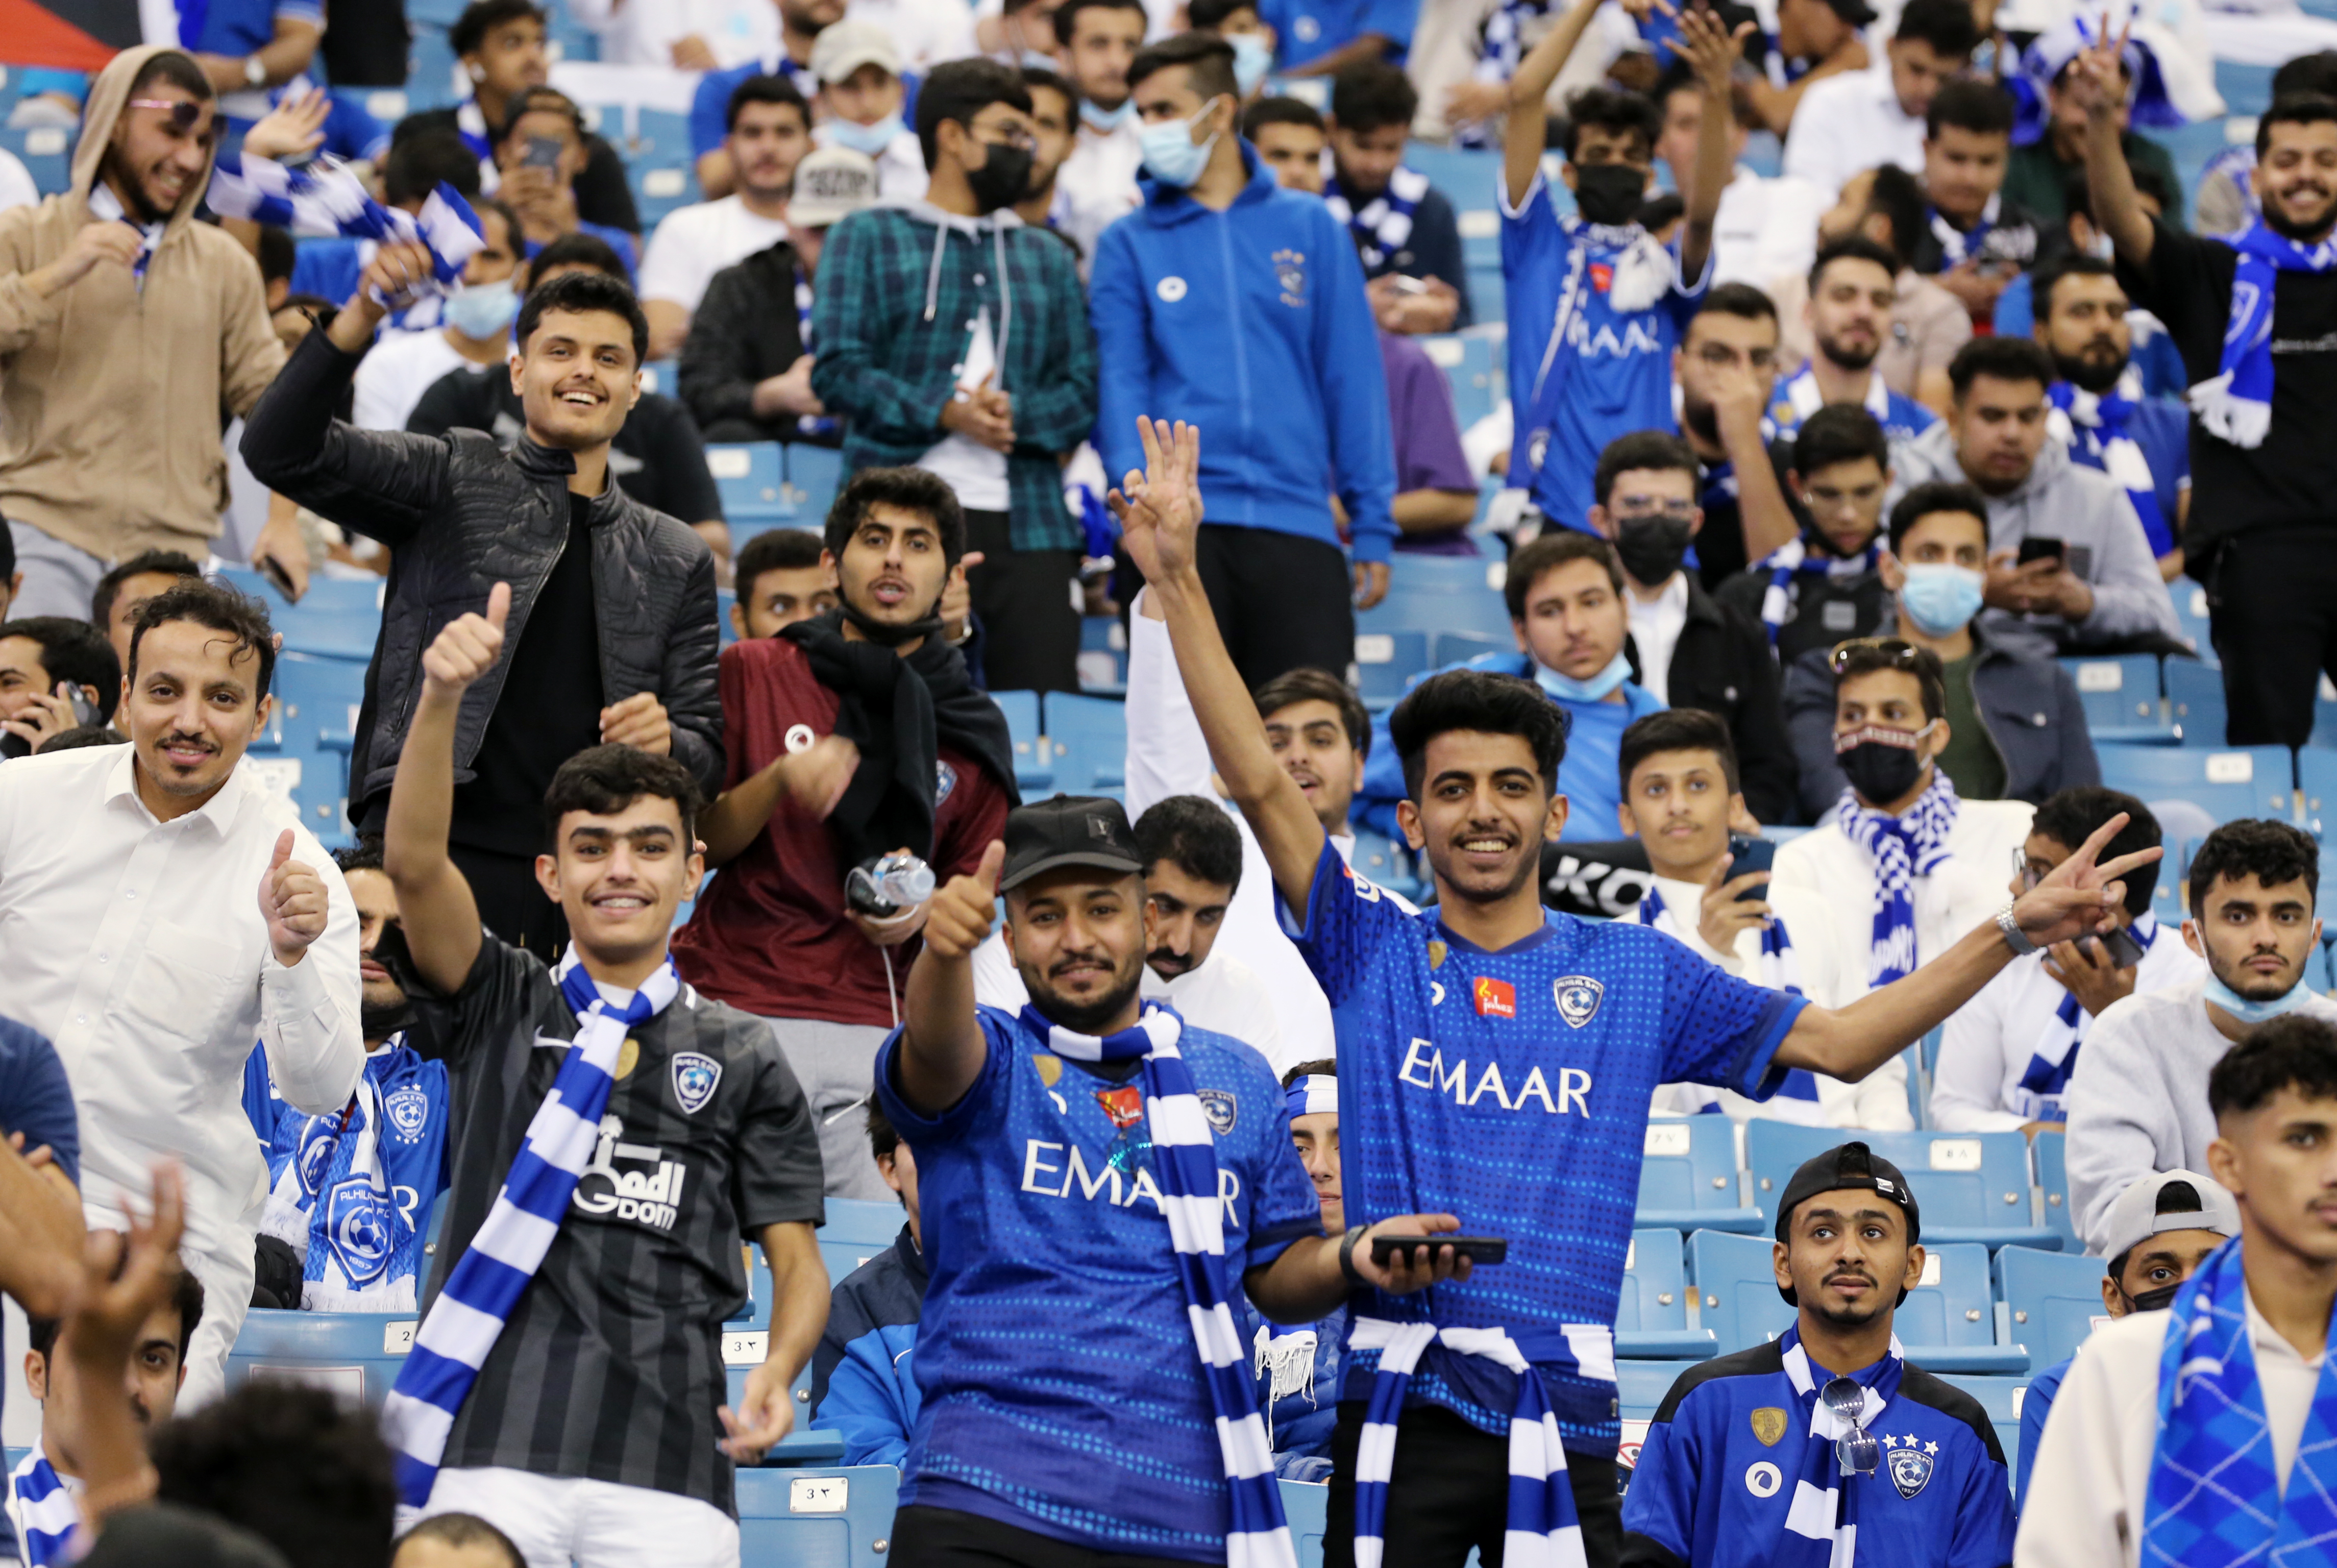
(1080, 747)
(774, 484)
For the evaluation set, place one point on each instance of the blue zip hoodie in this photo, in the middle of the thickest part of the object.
(862, 1383)
(1252, 325)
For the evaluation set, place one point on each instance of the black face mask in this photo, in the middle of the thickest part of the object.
(886, 635)
(1879, 771)
(1608, 193)
(1003, 178)
(2152, 1300)
(1651, 548)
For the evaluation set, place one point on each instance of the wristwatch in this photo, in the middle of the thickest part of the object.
(254, 71)
(2014, 937)
(1347, 1254)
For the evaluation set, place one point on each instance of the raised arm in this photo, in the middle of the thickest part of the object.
(1159, 512)
(942, 1047)
(440, 916)
(2096, 77)
(1526, 132)
(1712, 51)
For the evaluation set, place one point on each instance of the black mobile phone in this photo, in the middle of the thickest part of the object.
(1476, 1249)
(2120, 944)
(1746, 855)
(278, 578)
(543, 153)
(2036, 549)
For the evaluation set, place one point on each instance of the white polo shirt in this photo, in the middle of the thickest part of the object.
(1850, 122)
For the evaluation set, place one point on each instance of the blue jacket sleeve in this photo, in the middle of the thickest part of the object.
(1660, 1510)
(1123, 350)
(708, 107)
(36, 1098)
(1354, 396)
(2033, 1411)
(1984, 1518)
(870, 1400)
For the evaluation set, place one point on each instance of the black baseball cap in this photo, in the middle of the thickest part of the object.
(1854, 1166)
(1069, 830)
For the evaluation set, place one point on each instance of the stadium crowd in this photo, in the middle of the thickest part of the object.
(1389, 624)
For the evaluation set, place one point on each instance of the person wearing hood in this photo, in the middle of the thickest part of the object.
(101, 456)
(2049, 134)
(2095, 587)
(1242, 306)
(953, 338)
(2016, 729)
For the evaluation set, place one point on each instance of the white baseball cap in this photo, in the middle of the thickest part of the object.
(2134, 1218)
(832, 183)
(844, 48)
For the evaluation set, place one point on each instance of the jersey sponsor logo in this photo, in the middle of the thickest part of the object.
(1494, 998)
(358, 1225)
(798, 739)
(651, 1198)
(1060, 1170)
(1578, 997)
(1763, 1479)
(408, 1109)
(1768, 1425)
(695, 1076)
(1429, 1072)
(1909, 1463)
(1124, 1105)
(1220, 1108)
(1436, 993)
(944, 776)
(1290, 272)
(1605, 343)
(1602, 276)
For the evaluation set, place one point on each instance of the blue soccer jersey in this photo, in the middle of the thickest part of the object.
(1797, 398)
(1062, 1389)
(1511, 1089)
(1723, 1463)
(1613, 374)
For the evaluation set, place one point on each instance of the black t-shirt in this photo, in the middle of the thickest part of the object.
(610, 1367)
(548, 711)
(2291, 478)
(656, 457)
(1823, 610)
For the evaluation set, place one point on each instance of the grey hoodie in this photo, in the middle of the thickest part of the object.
(2078, 506)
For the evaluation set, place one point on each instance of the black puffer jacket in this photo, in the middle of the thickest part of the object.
(459, 515)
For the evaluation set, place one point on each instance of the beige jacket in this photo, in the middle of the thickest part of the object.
(113, 396)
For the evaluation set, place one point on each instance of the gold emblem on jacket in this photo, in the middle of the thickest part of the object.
(1768, 1425)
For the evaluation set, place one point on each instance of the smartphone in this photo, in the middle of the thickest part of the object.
(543, 153)
(278, 578)
(1749, 855)
(1476, 1249)
(84, 712)
(2120, 944)
(1404, 285)
(2036, 549)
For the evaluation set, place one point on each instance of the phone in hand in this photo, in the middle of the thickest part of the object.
(84, 712)
(1480, 1250)
(1748, 855)
(2119, 943)
(1404, 285)
(543, 153)
(2034, 548)
(278, 578)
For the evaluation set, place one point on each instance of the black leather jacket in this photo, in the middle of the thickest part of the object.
(460, 515)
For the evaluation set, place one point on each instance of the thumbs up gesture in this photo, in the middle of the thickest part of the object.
(468, 647)
(958, 917)
(292, 901)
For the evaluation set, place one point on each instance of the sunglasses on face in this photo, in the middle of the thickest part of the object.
(185, 112)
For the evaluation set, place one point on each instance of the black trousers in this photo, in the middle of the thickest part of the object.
(1283, 603)
(512, 903)
(1027, 603)
(926, 1537)
(1450, 1491)
(2272, 607)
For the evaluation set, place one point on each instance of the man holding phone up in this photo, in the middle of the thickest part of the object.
(1489, 1036)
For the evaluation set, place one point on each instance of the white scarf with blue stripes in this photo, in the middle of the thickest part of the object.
(1902, 849)
(463, 1324)
(1797, 1099)
(1185, 1159)
(1384, 225)
(325, 198)
(47, 1510)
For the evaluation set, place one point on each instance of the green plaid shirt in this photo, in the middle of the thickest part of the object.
(887, 363)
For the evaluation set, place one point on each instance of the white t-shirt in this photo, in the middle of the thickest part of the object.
(1656, 626)
(692, 243)
(1847, 124)
(977, 473)
(644, 32)
(1766, 228)
(1097, 183)
(925, 32)
(392, 378)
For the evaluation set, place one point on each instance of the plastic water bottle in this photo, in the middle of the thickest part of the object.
(889, 884)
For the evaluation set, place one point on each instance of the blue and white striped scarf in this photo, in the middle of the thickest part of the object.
(2214, 1499)
(1901, 848)
(47, 1508)
(1796, 557)
(2236, 405)
(2093, 427)
(1384, 225)
(2055, 1057)
(1543, 1531)
(331, 1149)
(1822, 1522)
(325, 198)
(1797, 1099)
(1958, 246)
(1185, 1159)
(463, 1324)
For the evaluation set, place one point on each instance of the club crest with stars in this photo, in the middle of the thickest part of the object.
(1910, 1462)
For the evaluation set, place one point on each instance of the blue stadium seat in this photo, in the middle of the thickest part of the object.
(2191, 618)
(1972, 1186)
(860, 1221)
(47, 154)
(724, 598)
(354, 1354)
(815, 474)
(1469, 361)
(1651, 1316)
(1687, 1177)
(751, 478)
(1948, 1322)
(1090, 737)
(2316, 779)
(1306, 1506)
(1386, 863)
(2051, 1299)
(2050, 1151)
(309, 737)
(2120, 697)
(430, 79)
(1468, 176)
(2245, 781)
(1442, 593)
(1033, 763)
(817, 1518)
(2000, 1397)
(1454, 647)
(1103, 656)
(337, 618)
(1640, 1386)
(2195, 703)
(1386, 661)
(1737, 1285)
(743, 1346)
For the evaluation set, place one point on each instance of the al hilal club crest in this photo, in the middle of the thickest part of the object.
(694, 1078)
(1578, 997)
(1220, 1108)
(1910, 1463)
(407, 1109)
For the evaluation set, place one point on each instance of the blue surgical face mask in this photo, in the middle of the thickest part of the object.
(2253, 1013)
(1253, 58)
(1171, 155)
(482, 312)
(871, 140)
(1595, 690)
(1939, 598)
(1106, 120)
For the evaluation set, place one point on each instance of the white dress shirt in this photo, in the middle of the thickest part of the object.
(395, 374)
(692, 243)
(1991, 1039)
(1656, 626)
(1847, 124)
(1766, 228)
(644, 32)
(137, 947)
